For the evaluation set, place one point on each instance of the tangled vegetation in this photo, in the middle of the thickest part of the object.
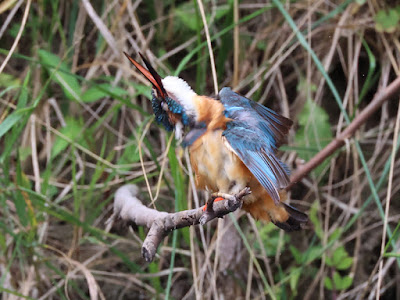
(76, 124)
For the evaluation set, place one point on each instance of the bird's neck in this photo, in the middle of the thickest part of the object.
(210, 111)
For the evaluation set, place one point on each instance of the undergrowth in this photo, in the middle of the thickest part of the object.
(76, 123)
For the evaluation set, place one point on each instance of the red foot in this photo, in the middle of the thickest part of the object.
(215, 200)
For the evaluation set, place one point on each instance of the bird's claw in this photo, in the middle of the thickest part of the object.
(233, 200)
(211, 201)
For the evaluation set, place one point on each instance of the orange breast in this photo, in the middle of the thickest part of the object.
(218, 169)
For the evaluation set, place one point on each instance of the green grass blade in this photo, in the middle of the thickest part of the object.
(61, 73)
(255, 261)
(371, 69)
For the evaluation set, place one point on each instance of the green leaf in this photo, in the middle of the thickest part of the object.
(339, 254)
(262, 45)
(180, 204)
(17, 119)
(294, 279)
(391, 254)
(314, 132)
(339, 283)
(19, 201)
(142, 89)
(310, 255)
(347, 281)
(335, 234)
(328, 283)
(21, 111)
(130, 154)
(101, 91)
(315, 220)
(13, 31)
(10, 121)
(296, 254)
(329, 261)
(370, 79)
(270, 238)
(345, 263)
(7, 80)
(340, 259)
(156, 283)
(186, 14)
(387, 20)
(24, 152)
(61, 73)
(73, 131)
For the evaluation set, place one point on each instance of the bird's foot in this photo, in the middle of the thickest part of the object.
(233, 202)
(213, 199)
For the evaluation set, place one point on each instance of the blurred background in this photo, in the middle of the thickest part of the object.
(76, 124)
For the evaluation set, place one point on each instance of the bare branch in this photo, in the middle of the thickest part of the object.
(339, 141)
(129, 208)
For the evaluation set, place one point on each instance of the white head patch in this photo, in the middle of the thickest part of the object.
(179, 90)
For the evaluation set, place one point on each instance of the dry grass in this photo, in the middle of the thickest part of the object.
(76, 125)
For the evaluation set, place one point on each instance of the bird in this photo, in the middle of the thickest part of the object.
(232, 143)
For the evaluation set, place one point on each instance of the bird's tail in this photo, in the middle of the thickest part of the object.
(294, 220)
(283, 215)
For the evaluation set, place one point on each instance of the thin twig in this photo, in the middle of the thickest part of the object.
(388, 197)
(210, 50)
(19, 34)
(105, 32)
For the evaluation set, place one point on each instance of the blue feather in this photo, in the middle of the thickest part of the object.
(254, 134)
(197, 131)
(242, 109)
(176, 108)
(161, 115)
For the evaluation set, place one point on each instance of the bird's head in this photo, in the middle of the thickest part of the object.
(173, 99)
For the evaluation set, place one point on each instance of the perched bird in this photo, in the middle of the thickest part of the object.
(232, 142)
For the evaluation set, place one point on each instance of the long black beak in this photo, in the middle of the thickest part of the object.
(150, 74)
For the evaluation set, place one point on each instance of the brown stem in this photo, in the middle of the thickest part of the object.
(339, 141)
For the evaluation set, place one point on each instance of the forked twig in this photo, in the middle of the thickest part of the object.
(129, 208)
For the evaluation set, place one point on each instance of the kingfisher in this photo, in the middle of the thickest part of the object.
(232, 143)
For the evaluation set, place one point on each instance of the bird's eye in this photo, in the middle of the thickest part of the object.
(164, 106)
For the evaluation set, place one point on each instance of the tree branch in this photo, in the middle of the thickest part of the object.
(129, 208)
(340, 140)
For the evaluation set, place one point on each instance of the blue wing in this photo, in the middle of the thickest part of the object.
(239, 108)
(254, 134)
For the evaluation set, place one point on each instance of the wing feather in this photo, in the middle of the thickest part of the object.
(240, 108)
(254, 134)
